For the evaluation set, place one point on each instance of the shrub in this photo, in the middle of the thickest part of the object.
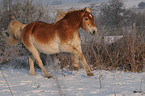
(24, 10)
(141, 5)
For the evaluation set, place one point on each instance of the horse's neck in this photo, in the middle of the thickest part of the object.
(73, 20)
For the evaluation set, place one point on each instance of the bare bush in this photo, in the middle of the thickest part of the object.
(22, 10)
(125, 54)
(114, 14)
(25, 11)
(111, 13)
(141, 5)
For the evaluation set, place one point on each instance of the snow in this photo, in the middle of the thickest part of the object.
(112, 39)
(71, 83)
(132, 3)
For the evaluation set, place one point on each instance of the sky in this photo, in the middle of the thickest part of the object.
(69, 1)
(129, 3)
(51, 2)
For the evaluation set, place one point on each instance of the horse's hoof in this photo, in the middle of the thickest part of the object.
(32, 74)
(90, 74)
(75, 67)
(49, 76)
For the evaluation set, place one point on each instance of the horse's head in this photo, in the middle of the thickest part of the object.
(87, 21)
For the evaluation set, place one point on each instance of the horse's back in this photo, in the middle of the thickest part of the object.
(38, 32)
(41, 36)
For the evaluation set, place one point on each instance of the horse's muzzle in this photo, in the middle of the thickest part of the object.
(94, 31)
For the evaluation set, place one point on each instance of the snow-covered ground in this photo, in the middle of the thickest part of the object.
(71, 83)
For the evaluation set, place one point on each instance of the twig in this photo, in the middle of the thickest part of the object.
(114, 93)
(56, 78)
(7, 83)
(139, 91)
(121, 58)
(4, 34)
(141, 85)
(100, 78)
(109, 55)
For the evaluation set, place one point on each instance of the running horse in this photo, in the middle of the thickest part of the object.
(62, 36)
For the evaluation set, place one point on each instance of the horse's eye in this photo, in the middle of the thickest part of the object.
(86, 18)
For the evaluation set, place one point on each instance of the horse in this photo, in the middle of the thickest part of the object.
(61, 36)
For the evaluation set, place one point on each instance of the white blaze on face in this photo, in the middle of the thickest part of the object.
(90, 15)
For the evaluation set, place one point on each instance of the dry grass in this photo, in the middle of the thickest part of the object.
(126, 54)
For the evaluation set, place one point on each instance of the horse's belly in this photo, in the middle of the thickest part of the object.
(48, 48)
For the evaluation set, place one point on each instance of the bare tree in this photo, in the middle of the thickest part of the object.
(141, 5)
(25, 10)
(112, 13)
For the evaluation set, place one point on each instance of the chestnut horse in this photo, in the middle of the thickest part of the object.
(62, 36)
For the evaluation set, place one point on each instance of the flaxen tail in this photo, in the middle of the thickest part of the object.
(15, 29)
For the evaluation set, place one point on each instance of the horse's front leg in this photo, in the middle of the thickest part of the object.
(32, 69)
(78, 55)
(36, 56)
(88, 70)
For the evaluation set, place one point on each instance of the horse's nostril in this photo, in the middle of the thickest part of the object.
(94, 32)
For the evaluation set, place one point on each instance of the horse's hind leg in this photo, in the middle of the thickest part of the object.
(32, 69)
(75, 62)
(35, 53)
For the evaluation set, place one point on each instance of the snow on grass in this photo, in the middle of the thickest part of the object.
(72, 83)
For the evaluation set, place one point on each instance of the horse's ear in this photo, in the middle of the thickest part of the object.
(85, 9)
(91, 9)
